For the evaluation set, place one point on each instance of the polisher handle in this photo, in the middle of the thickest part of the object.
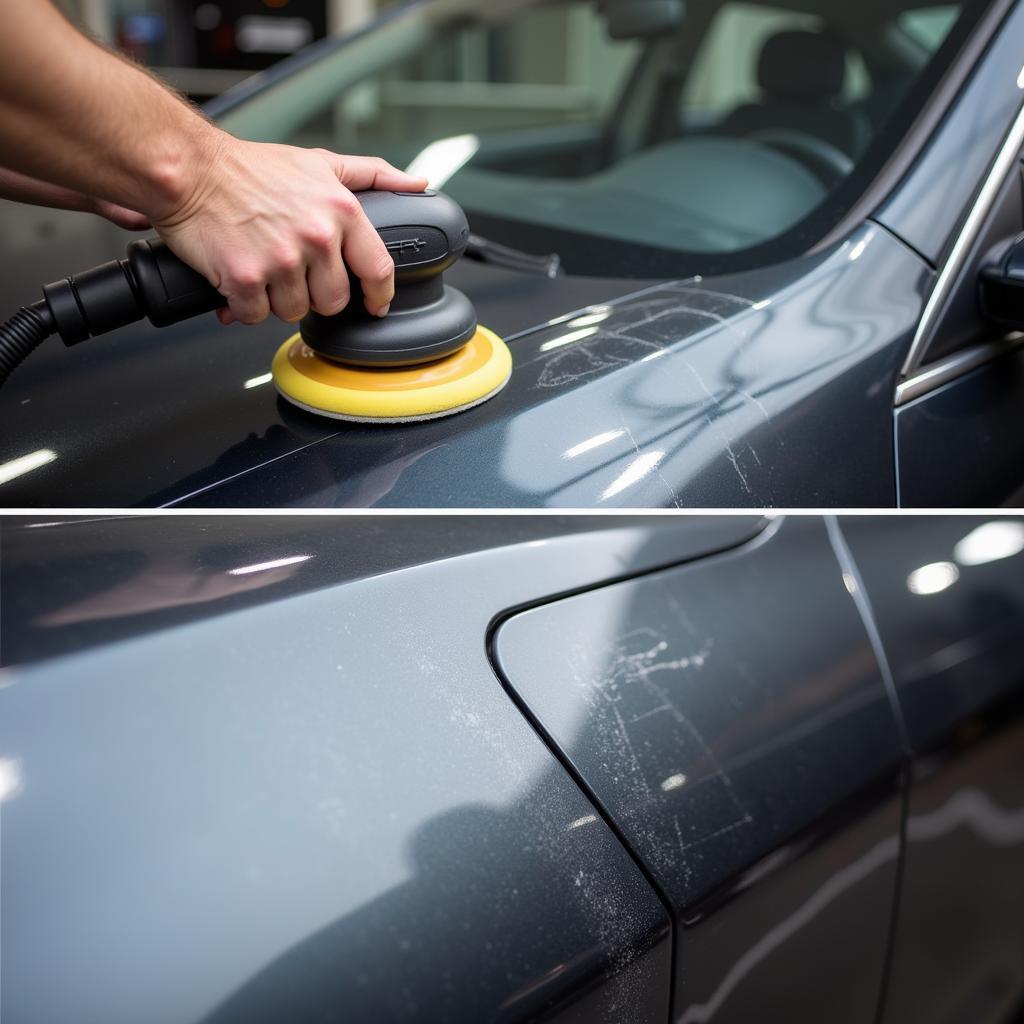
(425, 232)
(168, 290)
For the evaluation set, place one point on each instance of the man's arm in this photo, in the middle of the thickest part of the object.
(267, 225)
(23, 189)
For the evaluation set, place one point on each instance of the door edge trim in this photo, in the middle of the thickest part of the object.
(955, 366)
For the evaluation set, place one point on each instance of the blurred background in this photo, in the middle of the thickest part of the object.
(205, 47)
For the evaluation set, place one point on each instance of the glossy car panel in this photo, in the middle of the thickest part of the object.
(773, 387)
(720, 712)
(148, 417)
(325, 800)
(977, 424)
(959, 950)
(929, 205)
(948, 601)
(266, 769)
(759, 390)
(70, 585)
(700, 393)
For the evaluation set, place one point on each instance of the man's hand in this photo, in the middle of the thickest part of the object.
(268, 225)
(273, 228)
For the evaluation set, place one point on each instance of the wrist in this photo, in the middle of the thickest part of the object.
(180, 168)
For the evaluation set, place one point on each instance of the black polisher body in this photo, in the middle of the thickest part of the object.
(425, 234)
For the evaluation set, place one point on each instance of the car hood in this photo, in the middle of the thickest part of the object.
(154, 417)
(773, 387)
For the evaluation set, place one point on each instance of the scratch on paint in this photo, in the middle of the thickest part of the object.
(657, 468)
(731, 456)
(729, 453)
(594, 354)
(739, 823)
(757, 402)
(628, 675)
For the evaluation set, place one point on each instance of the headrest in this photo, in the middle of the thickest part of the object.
(805, 66)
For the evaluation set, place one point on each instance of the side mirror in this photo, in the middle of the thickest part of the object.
(1001, 287)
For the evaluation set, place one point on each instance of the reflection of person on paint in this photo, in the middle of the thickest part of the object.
(269, 226)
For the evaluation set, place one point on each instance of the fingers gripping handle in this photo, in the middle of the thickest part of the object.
(424, 233)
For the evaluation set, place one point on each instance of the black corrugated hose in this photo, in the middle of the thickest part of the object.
(24, 332)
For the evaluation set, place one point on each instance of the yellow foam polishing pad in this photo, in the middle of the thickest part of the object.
(478, 371)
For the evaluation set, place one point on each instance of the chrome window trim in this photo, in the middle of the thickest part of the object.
(955, 366)
(1001, 167)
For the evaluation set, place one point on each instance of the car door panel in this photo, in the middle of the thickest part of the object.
(731, 719)
(961, 385)
(948, 600)
(316, 802)
(963, 445)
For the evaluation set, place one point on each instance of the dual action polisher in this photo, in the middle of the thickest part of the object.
(427, 358)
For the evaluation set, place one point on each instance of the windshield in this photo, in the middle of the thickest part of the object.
(635, 138)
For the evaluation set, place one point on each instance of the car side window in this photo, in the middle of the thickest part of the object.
(559, 127)
(724, 76)
(928, 25)
(549, 66)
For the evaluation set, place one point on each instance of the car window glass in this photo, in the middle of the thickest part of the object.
(554, 65)
(928, 25)
(700, 145)
(725, 73)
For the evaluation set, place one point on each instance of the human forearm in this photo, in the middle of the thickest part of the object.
(271, 227)
(70, 114)
(23, 189)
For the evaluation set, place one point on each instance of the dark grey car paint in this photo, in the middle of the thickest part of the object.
(687, 394)
(772, 388)
(963, 445)
(957, 659)
(703, 395)
(929, 205)
(713, 743)
(324, 804)
(211, 820)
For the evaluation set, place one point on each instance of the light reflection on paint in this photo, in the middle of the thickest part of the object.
(587, 819)
(568, 339)
(25, 464)
(588, 311)
(858, 250)
(587, 319)
(850, 583)
(673, 782)
(10, 778)
(591, 443)
(277, 563)
(255, 382)
(1001, 538)
(633, 473)
(932, 578)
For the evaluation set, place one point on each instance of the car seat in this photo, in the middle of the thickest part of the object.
(801, 76)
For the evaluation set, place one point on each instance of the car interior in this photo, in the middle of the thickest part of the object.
(648, 142)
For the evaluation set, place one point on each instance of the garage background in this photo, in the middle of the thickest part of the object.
(204, 47)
